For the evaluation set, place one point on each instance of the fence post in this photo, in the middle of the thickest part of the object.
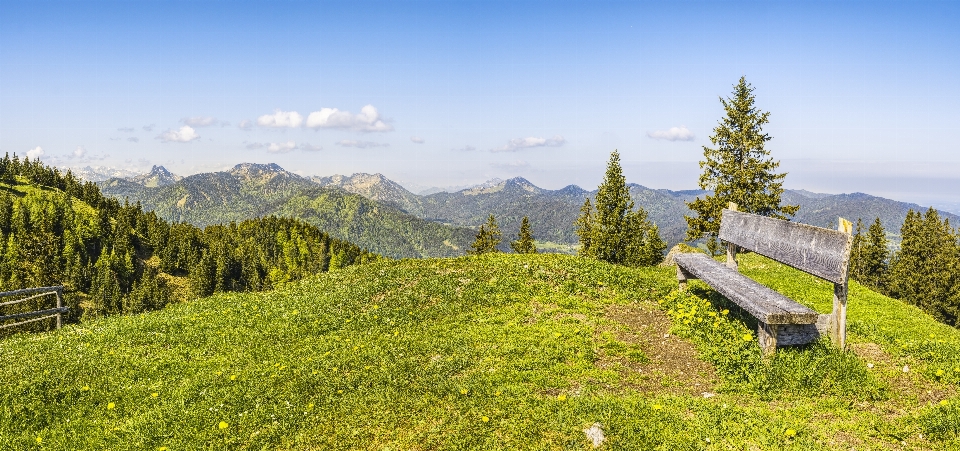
(59, 305)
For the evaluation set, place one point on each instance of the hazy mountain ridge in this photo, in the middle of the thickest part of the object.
(552, 212)
(420, 224)
(253, 190)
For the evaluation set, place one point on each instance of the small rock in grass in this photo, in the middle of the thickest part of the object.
(869, 365)
(595, 434)
(666, 335)
(906, 368)
(709, 395)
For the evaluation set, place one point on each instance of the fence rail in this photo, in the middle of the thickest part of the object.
(57, 312)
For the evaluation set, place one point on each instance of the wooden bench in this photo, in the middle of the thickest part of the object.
(782, 321)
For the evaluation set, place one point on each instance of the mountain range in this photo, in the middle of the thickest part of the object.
(381, 215)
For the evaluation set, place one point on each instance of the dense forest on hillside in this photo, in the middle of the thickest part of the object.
(923, 271)
(116, 258)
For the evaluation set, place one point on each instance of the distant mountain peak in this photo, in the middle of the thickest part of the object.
(158, 176)
(259, 167)
(251, 171)
(372, 186)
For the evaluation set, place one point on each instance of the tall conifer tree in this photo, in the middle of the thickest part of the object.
(487, 239)
(613, 231)
(875, 256)
(524, 243)
(738, 170)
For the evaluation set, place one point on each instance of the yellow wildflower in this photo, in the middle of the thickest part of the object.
(464, 391)
(790, 433)
(747, 337)
(223, 425)
(154, 394)
(485, 419)
(110, 405)
(561, 397)
(656, 407)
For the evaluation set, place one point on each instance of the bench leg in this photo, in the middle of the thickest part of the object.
(682, 277)
(767, 335)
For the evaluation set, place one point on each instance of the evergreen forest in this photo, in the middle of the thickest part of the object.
(115, 258)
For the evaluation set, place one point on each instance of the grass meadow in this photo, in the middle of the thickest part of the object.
(485, 352)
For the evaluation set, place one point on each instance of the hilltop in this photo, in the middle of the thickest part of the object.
(502, 351)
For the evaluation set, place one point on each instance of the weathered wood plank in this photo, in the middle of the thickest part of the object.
(29, 291)
(48, 292)
(765, 304)
(34, 313)
(822, 252)
(55, 315)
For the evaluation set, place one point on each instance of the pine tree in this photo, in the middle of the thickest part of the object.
(613, 231)
(875, 256)
(738, 170)
(487, 239)
(524, 243)
(584, 225)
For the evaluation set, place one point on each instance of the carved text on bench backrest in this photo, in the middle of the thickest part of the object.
(822, 252)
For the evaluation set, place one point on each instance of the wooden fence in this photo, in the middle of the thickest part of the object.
(43, 314)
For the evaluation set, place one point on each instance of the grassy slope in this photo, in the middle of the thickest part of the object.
(471, 353)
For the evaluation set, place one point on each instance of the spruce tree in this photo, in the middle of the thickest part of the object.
(524, 243)
(875, 256)
(487, 239)
(584, 225)
(738, 170)
(613, 231)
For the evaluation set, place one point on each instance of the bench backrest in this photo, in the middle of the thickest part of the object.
(822, 252)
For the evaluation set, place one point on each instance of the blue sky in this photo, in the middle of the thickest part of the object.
(864, 96)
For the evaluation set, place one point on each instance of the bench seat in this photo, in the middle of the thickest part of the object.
(765, 304)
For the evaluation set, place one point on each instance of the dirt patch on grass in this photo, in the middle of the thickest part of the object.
(673, 366)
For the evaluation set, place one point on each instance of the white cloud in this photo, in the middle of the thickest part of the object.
(360, 144)
(417, 139)
(79, 152)
(125, 129)
(281, 119)
(307, 147)
(282, 147)
(255, 146)
(465, 149)
(133, 139)
(200, 121)
(185, 134)
(35, 153)
(367, 120)
(245, 124)
(673, 134)
(148, 128)
(526, 143)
